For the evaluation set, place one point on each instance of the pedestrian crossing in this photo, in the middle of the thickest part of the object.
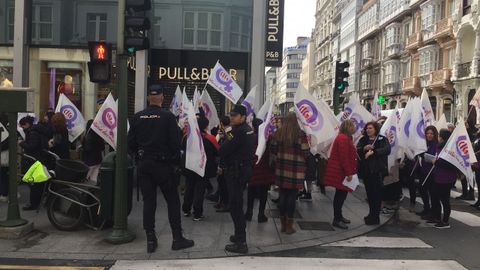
(282, 263)
(381, 242)
(466, 218)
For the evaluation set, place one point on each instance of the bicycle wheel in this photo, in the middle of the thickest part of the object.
(64, 214)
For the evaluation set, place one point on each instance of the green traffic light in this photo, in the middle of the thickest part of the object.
(131, 50)
(381, 99)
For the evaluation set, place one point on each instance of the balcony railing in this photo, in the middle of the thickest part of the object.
(464, 70)
(411, 86)
(414, 41)
(444, 28)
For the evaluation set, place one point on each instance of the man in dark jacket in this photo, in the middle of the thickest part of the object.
(35, 145)
(196, 184)
(236, 152)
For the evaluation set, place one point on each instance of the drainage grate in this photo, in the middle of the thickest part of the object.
(315, 226)
(275, 213)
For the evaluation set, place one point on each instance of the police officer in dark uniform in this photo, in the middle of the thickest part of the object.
(154, 138)
(236, 154)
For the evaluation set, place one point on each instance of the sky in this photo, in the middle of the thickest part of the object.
(299, 20)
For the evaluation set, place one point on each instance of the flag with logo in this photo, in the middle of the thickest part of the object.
(176, 105)
(195, 156)
(375, 108)
(324, 149)
(358, 114)
(390, 131)
(75, 122)
(183, 116)
(404, 129)
(441, 123)
(459, 151)
(265, 130)
(106, 121)
(250, 103)
(428, 114)
(416, 141)
(313, 119)
(221, 80)
(206, 103)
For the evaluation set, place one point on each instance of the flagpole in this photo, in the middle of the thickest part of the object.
(433, 167)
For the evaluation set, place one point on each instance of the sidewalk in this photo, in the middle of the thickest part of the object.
(210, 235)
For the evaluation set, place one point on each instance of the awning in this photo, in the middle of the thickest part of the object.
(65, 65)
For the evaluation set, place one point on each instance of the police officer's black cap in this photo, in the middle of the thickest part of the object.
(155, 89)
(238, 109)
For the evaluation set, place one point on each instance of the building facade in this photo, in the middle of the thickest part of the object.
(289, 75)
(60, 30)
(308, 69)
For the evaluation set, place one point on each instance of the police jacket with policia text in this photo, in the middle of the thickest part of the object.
(155, 132)
(376, 163)
(237, 148)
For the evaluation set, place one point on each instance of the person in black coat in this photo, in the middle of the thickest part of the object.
(196, 184)
(60, 144)
(35, 145)
(373, 150)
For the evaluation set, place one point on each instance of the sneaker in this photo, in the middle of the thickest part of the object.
(442, 225)
(186, 214)
(3, 198)
(339, 224)
(198, 218)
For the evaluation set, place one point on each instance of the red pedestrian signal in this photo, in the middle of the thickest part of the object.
(99, 67)
(100, 52)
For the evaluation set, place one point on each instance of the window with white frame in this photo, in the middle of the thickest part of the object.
(42, 23)
(392, 35)
(365, 80)
(450, 57)
(366, 48)
(405, 69)
(428, 60)
(202, 30)
(96, 26)
(240, 32)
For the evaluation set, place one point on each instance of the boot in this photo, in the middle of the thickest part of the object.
(290, 228)
(239, 247)
(283, 222)
(182, 243)
(152, 243)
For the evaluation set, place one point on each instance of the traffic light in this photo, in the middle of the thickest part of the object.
(100, 65)
(136, 25)
(340, 76)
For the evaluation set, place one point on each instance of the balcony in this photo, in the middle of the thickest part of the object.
(411, 86)
(441, 79)
(414, 41)
(443, 28)
(464, 70)
(393, 50)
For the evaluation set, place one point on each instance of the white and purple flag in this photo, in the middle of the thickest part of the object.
(250, 103)
(195, 156)
(221, 80)
(176, 105)
(75, 122)
(106, 121)
(206, 103)
(428, 113)
(459, 152)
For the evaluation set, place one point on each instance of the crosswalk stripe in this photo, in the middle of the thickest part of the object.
(466, 218)
(381, 242)
(279, 263)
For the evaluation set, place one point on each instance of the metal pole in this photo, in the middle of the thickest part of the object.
(120, 233)
(335, 101)
(13, 214)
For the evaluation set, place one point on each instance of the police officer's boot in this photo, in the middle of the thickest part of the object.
(180, 242)
(152, 243)
(238, 247)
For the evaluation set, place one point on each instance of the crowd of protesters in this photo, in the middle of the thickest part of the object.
(287, 167)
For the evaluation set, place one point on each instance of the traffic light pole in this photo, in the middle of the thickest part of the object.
(120, 234)
(336, 101)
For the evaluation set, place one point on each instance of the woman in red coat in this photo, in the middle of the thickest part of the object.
(341, 165)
